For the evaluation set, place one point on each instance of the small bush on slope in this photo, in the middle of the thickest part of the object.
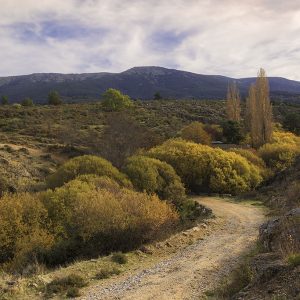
(87, 220)
(155, 177)
(203, 168)
(84, 165)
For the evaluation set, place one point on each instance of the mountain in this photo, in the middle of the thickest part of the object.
(138, 83)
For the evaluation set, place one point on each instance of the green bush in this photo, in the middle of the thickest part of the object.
(206, 169)
(154, 176)
(84, 165)
(114, 100)
(119, 258)
(294, 259)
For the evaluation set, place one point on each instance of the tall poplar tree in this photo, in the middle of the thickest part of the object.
(233, 103)
(259, 111)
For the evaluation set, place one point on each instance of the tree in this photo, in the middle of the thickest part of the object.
(232, 131)
(195, 132)
(123, 136)
(292, 122)
(4, 100)
(114, 100)
(157, 96)
(259, 111)
(233, 103)
(27, 102)
(54, 98)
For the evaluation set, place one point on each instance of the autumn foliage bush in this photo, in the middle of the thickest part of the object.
(84, 165)
(87, 219)
(87, 216)
(281, 152)
(196, 133)
(206, 169)
(155, 177)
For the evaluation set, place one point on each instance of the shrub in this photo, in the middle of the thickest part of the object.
(278, 157)
(203, 168)
(195, 132)
(114, 100)
(107, 272)
(154, 176)
(119, 258)
(27, 102)
(24, 238)
(84, 165)
(294, 259)
(54, 98)
(69, 284)
(285, 137)
(87, 220)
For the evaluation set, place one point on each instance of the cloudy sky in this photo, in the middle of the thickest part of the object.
(228, 37)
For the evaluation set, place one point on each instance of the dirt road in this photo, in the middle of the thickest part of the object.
(194, 269)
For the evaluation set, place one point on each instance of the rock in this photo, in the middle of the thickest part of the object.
(195, 229)
(203, 225)
(169, 244)
(146, 250)
(185, 233)
(277, 232)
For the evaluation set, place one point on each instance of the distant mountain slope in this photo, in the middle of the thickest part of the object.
(138, 82)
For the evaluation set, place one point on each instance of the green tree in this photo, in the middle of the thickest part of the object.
(27, 102)
(157, 96)
(232, 131)
(292, 122)
(114, 100)
(4, 100)
(54, 98)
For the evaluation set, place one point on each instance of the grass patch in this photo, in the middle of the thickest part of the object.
(294, 259)
(68, 285)
(119, 258)
(107, 272)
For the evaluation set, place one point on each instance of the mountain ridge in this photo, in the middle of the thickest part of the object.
(138, 82)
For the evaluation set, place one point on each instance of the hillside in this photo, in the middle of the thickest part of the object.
(138, 83)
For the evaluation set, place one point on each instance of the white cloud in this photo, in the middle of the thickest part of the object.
(227, 37)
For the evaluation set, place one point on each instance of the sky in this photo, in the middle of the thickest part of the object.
(226, 37)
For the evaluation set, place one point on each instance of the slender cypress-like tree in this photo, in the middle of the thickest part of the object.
(233, 103)
(259, 111)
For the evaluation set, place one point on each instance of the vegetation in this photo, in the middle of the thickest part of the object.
(68, 285)
(195, 132)
(155, 177)
(259, 111)
(119, 258)
(84, 165)
(205, 169)
(4, 100)
(232, 132)
(54, 98)
(114, 100)
(233, 103)
(27, 102)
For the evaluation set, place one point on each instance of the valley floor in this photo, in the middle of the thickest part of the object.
(194, 269)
